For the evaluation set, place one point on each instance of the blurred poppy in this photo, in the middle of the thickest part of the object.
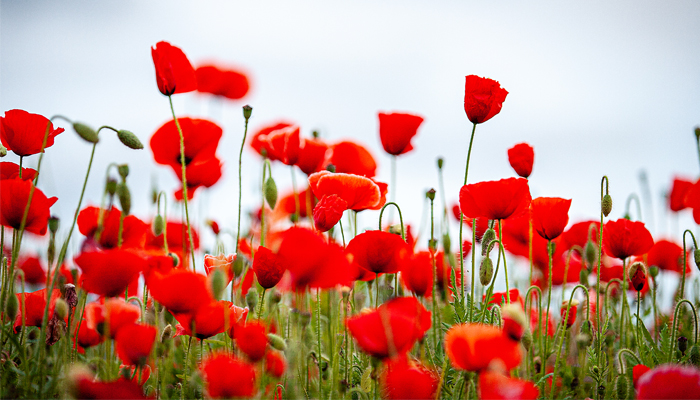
(133, 229)
(35, 304)
(180, 291)
(578, 234)
(550, 216)
(668, 256)
(237, 315)
(287, 204)
(174, 73)
(10, 170)
(392, 329)
(131, 370)
(311, 155)
(178, 241)
(115, 313)
(676, 198)
(24, 133)
(328, 212)
(521, 156)
(201, 173)
(572, 313)
(275, 363)
(637, 372)
(417, 274)
(84, 387)
(624, 238)
(251, 339)
(359, 193)
(34, 272)
(12, 207)
(268, 267)
(228, 377)
(402, 380)
(472, 347)
(134, 343)
(109, 272)
(282, 144)
(535, 318)
(351, 158)
(227, 83)
(669, 381)
(258, 140)
(692, 200)
(378, 252)
(222, 262)
(493, 385)
(87, 337)
(495, 199)
(396, 131)
(207, 320)
(483, 98)
(499, 298)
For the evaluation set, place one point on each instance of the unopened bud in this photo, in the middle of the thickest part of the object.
(158, 225)
(330, 168)
(176, 259)
(124, 197)
(621, 387)
(166, 334)
(277, 342)
(583, 276)
(695, 355)
(251, 299)
(430, 194)
(218, 283)
(111, 187)
(526, 340)
(275, 297)
(485, 271)
(129, 139)
(489, 236)
(606, 205)
(61, 308)
(88, 134)
(440, 162)
(247, 111)
(12, 306)
(638, 275)
(315, 134)
(682, 344)
(53, 224)
(590, 253)
(446, 243)
(3, 151)
(305, 318)
(238, 264)
(654, 271)
(696, 255)
(270, 192)
(123, 170)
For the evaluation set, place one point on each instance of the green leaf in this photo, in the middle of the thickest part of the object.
(366, 382)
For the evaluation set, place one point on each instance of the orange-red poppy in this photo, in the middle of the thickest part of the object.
(134, 343)
(180, 291)
(403, 379)
(226, 83)
(311, 155)
(472, 347)
(109, 272)
(550, 216)
(251, 339)
(23, 132)
(483, 98)
(521, 157)
(668, 256)
(495, 199)
(268, 267)
(222, 262)
(396, 131)
(378, 252)
(227, 377)
(133, 229)
(174, 73)
(669, 381)
(351, 158)
(12, 206)
(624, 238)
(275, 364)
(35, 304)
(328, 212)
(493, 385)
(10, 170)
(358, 192)
(676, 198)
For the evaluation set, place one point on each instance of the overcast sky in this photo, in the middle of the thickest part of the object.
(596, 87)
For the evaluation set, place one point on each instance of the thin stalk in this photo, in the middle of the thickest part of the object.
(599, 348)
(461, 219)
(685, 261)
(297, 205)
(505, 266)
(473, 285)
(240, 190)
(624, 304)
(381, 213)
(561, 341)
(621, 362)
(549, 299)
(318, 335)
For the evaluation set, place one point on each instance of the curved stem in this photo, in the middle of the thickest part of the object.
(607, 288)
(676, 312)
(563, 324)
(685, 261)
(621, 361)
(461, 223)
(631, 197)
(381, 213)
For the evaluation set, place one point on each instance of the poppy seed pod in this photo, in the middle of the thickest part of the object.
(654, 271)
(430, 194)
(270, 191)
(247, 111)
(12, 306)
(124, 197)
(129, 139)
(85, 132)
(251, 299)
(696, 255)
(53, 224)
(440, 162)
(606, 205)
(621, 387)
(218, 283)
(111, 187)
(485, 271)
(590, 253)
(526, 339)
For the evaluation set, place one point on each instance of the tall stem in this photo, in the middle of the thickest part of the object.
(685, 261)
(240, 190)
(549, 300)
(461, 221)
(297, 205)
(505, 265)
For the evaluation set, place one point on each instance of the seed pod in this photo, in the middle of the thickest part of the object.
(88, 134)
(247, 111)
(489, 236)
(111, 187)
(526, 340)
(12, 306)
(621, 387)
(430, 194)
(440, 162)
(653, 271)
(123, 170)
(158, 225)
(270, 192)
(124, 197)
(276, 342)
(606, 205)
(682, 344)
(330, 168)
(485, 271)
(176, 259)
(129, 139)
(53, 224)
(61, 308)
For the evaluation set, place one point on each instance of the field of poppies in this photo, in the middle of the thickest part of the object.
(297, 301)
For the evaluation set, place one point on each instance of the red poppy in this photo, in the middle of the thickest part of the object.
(222, 262)
(359, 193)
(116, 313)
(668, 256)
(495, 199)
(275, 363)
(228, 377)
(612, 268)
(311, 156)
(572, 314)
(287, 204)
(535, 318)
(209, 320)
(84, 387)
(134, 343)
(181, 291)
(692, 200)
(12, 206)
(559, 260)
(178, 241)
(378, 252)
(472, 347)
(417, 274)
(88, 337)
(493, 385)
(24, 133)
(483, 98)
(34, 272)
(521, 156)
(10, 170)
(391, 329)
(251, 339)
(328, 212)
(669, 381)
(637, 276)
(499, 298)
(231, 84)
(578, 234)
(174, 73)
(401, 380)
(676, 198)
(550, 216)
(637, 372)
(268, 267)
(35, 304)
(282, 144)
(396, 131)
(109, 272)
(258, 140)
(351, 158)
(624, 238)
(133, 229)
(204, 173)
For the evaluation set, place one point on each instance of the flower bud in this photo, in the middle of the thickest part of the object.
(277, 342)
(129, 139)
(166, 334)
(440, 162)
(526, 340)
(697, 133)
(583, 277)
(247, 111)
(218, 283)
(305, 318)
(275, 297)
(111, 187)
(695, 355)
(606, 205)
(270, 192)
(3, 151)
(315, 134)
(696, 255)
(61, 308)
(590, 253)
(53, 224)
(489, 236)
(251, 299)
(330, 168)
(158, 225)
(446, 243)
(238, 264)
(430, 194)
(12, 306)
(176, 259)
(638, 275)
(88, 134)
(123, 170)
(124, 197)
(621, 387)
(654, 271)
(485, 271)
(682, 344)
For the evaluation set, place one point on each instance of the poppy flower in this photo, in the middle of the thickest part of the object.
(181, 291)
(550, 216)
(24, 133)
(559, 267)
(35, 304)
(391, 329)
(668, 256)
(624, 238)
(637, 372)
(495, 199)
(282, 144)
(178, 240)
(521, 156)
(115, 313)
(222, 262)
(396, 131)
(87, 337)
(268, 268)
(676, 198)
(311, 155)
(351, 158)
(275, 363)
(401, 380)
(417, 274)
(109, 272)
(200, 173)
(499, 298)
(472, 347)
(378, 252)
(359, 193)
(12, 207)
(10, 170)
(134, 343)
(493, 385)
(692, 200)
(578, 234)
(287, 205)
(231, 84)
(84, 387)
(328, 212)
(208, 320)
(258, 140)
(227, 377)
(237, 315)
(251, 339)
(34, 272)
(483, 98)
(669, 381)
(572, 313)
(133, 229)
(174, 73)
(535, 318)
(637, 276)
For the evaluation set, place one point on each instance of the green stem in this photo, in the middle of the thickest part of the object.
(381, 213)
(240, 185)
(674, 329)
(563, 324)
(685, 261)
(549, 300)
(461, 223)
(473, 283)
(625, 305)
(599, 346)
(318, 335)
(165, 220)
(262, 301)
(505, 265)
(621, 361)
(297, 205)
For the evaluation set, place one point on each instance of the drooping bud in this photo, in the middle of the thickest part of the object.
(88, 134)
(696, 255)
(251, 299)
(176, 259)
(697, 133)
(53, 224)
(111, 187)
(124, 197)
(526, 340)
(621, 387)
(247, 111)
(430, 194)
(218, 283)
(440, 162)
(270, 192)
(129, 139)
(158, 225)
(489, 236)
(485, 271)
(12, 306)
(638, 275)
(277, 342)
(590, 253)
(238, 264)
(606, 205)
(61, 308)
(682, 344)
(123, 170)
(167, 333)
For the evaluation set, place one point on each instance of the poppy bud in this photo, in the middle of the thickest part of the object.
(238, 264)
(276, 342)
(123, 170)
(489, 236)
(430, 194)
(638, 275)
(247, 111)
(251, 299)
(61, 308)
(695, 355)
(682, 344)
(69, 295)
(330, 168)
(526, 339)
(166, 334)
(485, 271)
(590, 253)
(53, 224)
(305, 318)
(3, 151)
(586, 328)
(583, 276)
(88, 134)
(315, 134)
(583, 341)
(129, 139)
(621, 386)
(446, 242)
(270, 192)
(571, 318)
(440, 162)
(111, 187)
(176, 259)
(606, 205)
(697, 133)
(124, 197)
(275, 297)
(696, 254)
(218, 283)
(158, 225)
(12, 306)
(654, 271)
